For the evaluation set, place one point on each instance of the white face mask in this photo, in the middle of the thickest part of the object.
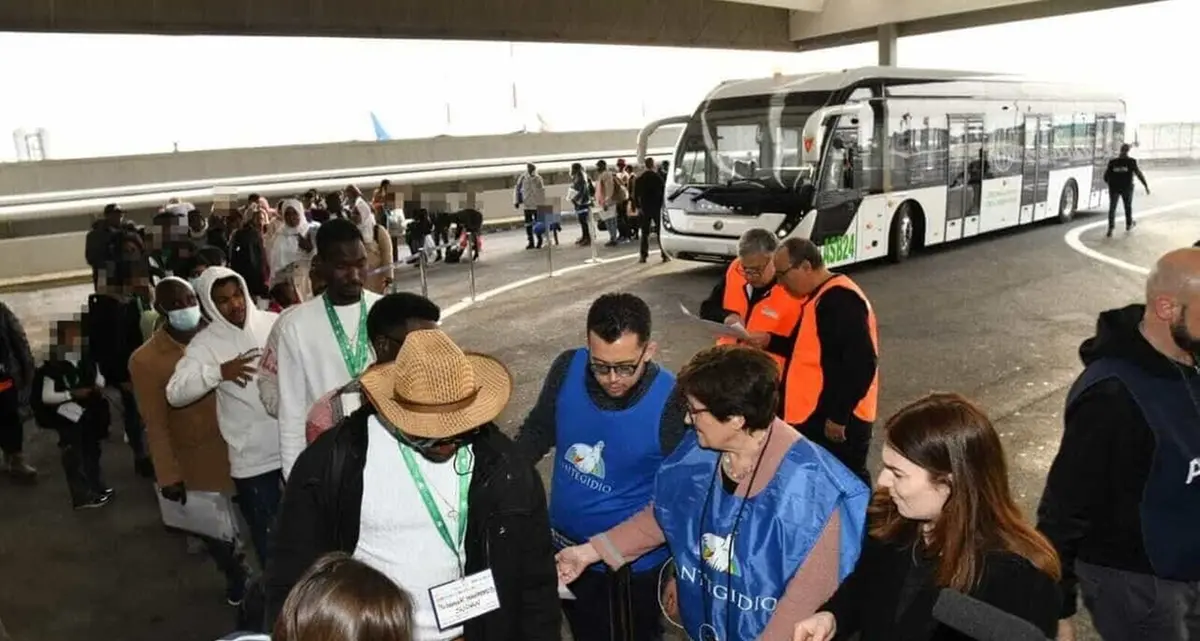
(186, 319)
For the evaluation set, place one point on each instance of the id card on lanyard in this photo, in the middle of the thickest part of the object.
(468, 597)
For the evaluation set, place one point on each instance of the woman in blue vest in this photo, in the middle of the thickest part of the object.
(943, 518)
(763, 524)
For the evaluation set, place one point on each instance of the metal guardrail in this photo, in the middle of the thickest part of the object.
(422, 261)
(1167, 141)
(59, 204)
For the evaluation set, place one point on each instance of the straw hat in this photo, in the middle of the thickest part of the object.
(435, 390)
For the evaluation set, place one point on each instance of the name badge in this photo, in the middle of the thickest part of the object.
(464, 599)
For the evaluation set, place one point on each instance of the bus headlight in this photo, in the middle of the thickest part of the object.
(666, 219)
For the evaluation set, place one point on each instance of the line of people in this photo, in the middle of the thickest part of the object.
(627, 202)
(733, 496)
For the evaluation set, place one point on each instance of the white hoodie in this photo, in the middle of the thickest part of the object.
(252, 434)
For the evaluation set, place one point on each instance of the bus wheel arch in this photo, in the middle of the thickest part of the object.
(907, 231)
(1068, 201)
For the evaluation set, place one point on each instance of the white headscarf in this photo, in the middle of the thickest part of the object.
(367, 226)
(302, 228)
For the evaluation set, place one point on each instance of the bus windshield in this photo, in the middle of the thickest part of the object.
(745, 139)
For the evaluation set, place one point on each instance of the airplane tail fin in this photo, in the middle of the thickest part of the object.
(381, 134)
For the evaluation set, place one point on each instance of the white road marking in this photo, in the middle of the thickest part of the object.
(1073, 241)
(496, 291)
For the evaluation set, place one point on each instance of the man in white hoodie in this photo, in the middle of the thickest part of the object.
(222, 357)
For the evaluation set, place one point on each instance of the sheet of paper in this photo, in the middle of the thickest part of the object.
(462, 600)
(565, 593)
(718, 329)
(71, 411)
(206, 513)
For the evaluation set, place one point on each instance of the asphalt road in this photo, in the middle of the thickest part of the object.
(998, 319)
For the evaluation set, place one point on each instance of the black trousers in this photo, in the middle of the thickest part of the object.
(650, 217)
(1126, 198)
(852, 452)
(12, 432)
(592, 616)
(79, 447)
(1127, 605)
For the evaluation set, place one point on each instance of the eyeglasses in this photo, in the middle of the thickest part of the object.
(693, 412)
(623, 370)
(751, 272)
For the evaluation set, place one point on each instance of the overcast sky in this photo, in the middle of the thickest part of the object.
(108, 95)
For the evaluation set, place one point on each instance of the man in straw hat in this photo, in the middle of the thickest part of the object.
(421, 484)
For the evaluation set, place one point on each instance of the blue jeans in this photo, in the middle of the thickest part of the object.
(258, 499)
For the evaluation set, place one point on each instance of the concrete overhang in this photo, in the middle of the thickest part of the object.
(680, 23)
(808, 6)
(844, 22)
(780, 25)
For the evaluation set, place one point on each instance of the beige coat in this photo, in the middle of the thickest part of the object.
(185, 444)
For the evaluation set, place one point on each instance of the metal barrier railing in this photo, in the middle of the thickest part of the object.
(423, 259)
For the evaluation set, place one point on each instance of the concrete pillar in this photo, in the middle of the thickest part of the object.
(887, 45)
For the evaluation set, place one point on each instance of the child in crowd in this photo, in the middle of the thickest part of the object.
(341, 599)
(67, 397)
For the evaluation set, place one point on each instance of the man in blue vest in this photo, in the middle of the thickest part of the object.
(610, 412)
(1122, 501)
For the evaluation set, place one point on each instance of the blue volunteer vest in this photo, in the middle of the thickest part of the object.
(741, 581)
(1170, 509)
(605, 461)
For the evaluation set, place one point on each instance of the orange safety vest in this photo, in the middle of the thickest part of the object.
(804, 377)
(776, 313)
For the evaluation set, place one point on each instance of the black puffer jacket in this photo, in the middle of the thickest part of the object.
(508, 528)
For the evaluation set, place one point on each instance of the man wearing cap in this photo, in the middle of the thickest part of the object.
(421, 485)
(609, 410)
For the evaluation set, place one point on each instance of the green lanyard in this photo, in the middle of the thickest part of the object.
(435, 514)
(355, 358)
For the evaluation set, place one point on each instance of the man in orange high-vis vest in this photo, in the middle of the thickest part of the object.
(831, 380)
(748, 295)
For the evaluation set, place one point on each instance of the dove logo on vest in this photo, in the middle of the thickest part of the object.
(585, 465)
(1193, 471)
(717, 553)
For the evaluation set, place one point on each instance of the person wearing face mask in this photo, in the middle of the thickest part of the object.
(222, 358)
(421, 485)
(1122, 500)
(185, 443)
(942, 517)
(388, 324)
(68, 398)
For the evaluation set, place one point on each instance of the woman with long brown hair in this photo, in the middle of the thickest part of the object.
(942, 517)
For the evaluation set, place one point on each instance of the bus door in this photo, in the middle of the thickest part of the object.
(1102, 152)
(964, 176)
(1035, 172)
(839, 194)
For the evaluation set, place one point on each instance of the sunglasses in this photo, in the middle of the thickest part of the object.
(623, 370)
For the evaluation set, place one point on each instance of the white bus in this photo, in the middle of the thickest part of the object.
(879, 161)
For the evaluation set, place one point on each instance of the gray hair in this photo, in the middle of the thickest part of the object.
(756, 241)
